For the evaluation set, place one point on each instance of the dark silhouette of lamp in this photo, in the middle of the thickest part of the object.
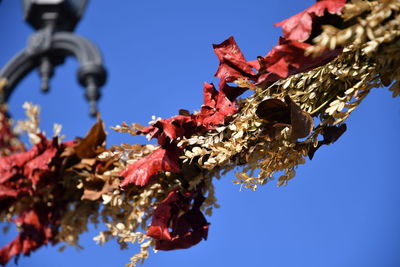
(48, 47)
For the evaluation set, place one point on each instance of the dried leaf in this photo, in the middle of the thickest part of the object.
(92, 144)
(168, 130)
(271, 131)
(288, 58)
(35, 232)
(140, 172)
(273, 110)
(302, 122)
(232, 64)
(189, 226)
(215, 109)
(300, 26)
(9, 142)
(93, 190)
(331, 134)
(32, 165)
(280, 115)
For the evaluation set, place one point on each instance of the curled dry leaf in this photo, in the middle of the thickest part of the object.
(300, 26)
(301, 121)
(280, 115)
(274, 110)
(233, 64)
(92, 144)
(93, 190)
(288, 57)
(187, 222)
(331, 134)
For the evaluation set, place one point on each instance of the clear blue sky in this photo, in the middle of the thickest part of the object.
(342, 209)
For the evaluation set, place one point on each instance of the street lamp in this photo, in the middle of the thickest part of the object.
(48, 47)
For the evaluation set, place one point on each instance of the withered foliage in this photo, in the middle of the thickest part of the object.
(330, 56)
(9, 141)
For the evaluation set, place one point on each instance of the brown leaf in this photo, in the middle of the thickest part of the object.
(273, 110)
(272, 130)
(281, 114)
(93, 190)
(302, 122)
(184, 112)
(90, 146)
(331, 134)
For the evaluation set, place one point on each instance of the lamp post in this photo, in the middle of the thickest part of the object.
(48, 47)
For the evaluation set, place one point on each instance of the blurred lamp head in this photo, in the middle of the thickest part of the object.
(62, 14)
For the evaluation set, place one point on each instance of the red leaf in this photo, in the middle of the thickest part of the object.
(210, 95)
(287, 58)
(10, 250)
(189, 226)
(140, 172)
(216, 106)
(6, 191)
(278, 61)
(35, 232)
(167, 130)
(26, 173)
(231, 92)
(10, 165)
(281, 67)
(31, 166)
(38, 167)
(232, 62)
(162, 216)
(300, 26)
